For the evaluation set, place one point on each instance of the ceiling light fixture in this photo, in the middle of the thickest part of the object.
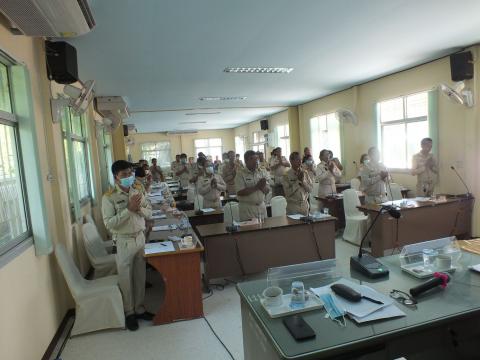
(222, 98)
(203, 113)
(193, 122)
(258, 70)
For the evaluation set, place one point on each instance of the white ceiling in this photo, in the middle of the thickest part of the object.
(164, 55)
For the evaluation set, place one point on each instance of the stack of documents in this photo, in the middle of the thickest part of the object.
(363, 310)
(208, 210)
(159, 216)
(159, 247)
(164, 227)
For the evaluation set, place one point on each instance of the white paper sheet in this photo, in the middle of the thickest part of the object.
(159, 216)
(164, 227)
(159, 247)
(295, 216)
(208, 210)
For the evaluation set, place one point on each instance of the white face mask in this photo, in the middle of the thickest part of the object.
(209, 170)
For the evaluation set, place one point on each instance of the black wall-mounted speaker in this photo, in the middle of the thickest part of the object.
(461, 66)
(264, 124)
(61, 62)
(125, 130)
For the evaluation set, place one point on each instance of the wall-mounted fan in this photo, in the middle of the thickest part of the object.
(347, 116)
(458, 94)
(77, 98)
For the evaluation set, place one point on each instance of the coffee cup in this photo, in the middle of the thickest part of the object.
(187, 241)
(443, 261)
(273, 296)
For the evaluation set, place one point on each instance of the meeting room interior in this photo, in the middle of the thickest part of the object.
(255, 179)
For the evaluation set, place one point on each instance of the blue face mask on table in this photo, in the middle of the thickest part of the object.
(128, 181)
(333, 311)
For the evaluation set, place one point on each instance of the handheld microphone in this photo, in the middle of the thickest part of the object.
(308, 218)
(198, 211)
(232, 227)
(463, 182)
(440, 279)
(365, 263)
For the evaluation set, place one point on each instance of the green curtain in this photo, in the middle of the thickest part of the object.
(433, 119)
(23, 109)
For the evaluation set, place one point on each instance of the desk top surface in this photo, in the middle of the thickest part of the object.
(413, 204)
(269, 223)
(460, 298)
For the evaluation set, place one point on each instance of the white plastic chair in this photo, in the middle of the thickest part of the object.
(103, 262)
(98, 303)
(355, 184)
(198, 202)
(230, 211)
(355, 220)
(396, 193)
(279, 206)
(190, 193)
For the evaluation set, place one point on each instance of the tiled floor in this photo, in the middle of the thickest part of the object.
(181, 340)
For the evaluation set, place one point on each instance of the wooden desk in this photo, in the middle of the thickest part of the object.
(180, 271)
(421, 221)
(204, 219)
(335, 208)
(342, 187)
(253, 249)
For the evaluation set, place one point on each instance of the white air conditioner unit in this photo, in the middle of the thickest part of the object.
(52, 18)
(113, 108)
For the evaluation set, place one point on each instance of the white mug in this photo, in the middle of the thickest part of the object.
(273, 296)
(443, 261)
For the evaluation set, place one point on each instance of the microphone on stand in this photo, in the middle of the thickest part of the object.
(232, 227)
(463, 182)
(198, 211)
(365, 263)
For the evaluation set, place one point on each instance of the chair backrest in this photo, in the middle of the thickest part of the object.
(279, 206)
(93, 242)
(396, 193)
(198, 202)
(230, 211)
(74, 279)
(355, 184)
(350, 203)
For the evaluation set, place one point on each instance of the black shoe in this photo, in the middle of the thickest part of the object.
(145, 316)
(148, 285)
(131, 322)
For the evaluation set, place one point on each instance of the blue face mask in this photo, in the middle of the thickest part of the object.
(128, 181)
(333, 311)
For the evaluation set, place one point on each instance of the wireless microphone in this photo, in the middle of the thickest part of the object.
(463, 182)
(440, 279)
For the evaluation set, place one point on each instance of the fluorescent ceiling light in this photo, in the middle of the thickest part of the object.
(259, 70)
(193, 122)
(203, 113)
(222, 98)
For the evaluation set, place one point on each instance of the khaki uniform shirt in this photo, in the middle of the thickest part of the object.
(253, 205)
(228, 175)
(116, 216)
(263, 165)
(426, 176)
(278, 173)
(326, 179)
(174, 167)
(211, 197)
(184, 178)
(157, 173)
(311, 170)
(297, 192)
(372, 184)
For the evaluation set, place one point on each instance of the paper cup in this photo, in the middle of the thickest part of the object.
(273, 296)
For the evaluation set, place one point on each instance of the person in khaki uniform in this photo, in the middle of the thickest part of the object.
(174, 166)
(373, 177)
(297, 185)
(210, 186)
(182, 172)
(262, 163)
(252, 186)
(156, 171)
(229, 173)
(125, 210)
(326, 172)
(425, 167)
(278, 167)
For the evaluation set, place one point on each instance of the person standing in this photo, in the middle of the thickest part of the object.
(174, 166)
(124, 211)
(252, 186)
(297, 185)
(326, 172)
(307, 153)
(309, 165)
(425, 167)
(238, 161)
(278, 167)
(182, 172)
(229, 172)
(262, 163)
(156, 171)
(373, 177)
(210, 186)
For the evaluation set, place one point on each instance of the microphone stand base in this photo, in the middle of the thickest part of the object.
(199, 212)
(307, 219)
(232, 228)
(369, 266)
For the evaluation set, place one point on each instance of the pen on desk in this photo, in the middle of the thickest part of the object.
(372, 300)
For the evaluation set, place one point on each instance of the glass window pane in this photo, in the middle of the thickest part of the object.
(215, 142)
(69, 173)
(394, 152)
(416, 131)
(13, 221)
(391, 110)
(80, 161)
(239, 145)
(5, 104)
(417, 105)
(76, 125)
(201, 143)
(65, 119)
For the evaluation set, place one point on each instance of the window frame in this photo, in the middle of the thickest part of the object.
(169, 151)
(282, 137)
(17, 244)
(404, 121)
(340, 156)
(203, 148)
